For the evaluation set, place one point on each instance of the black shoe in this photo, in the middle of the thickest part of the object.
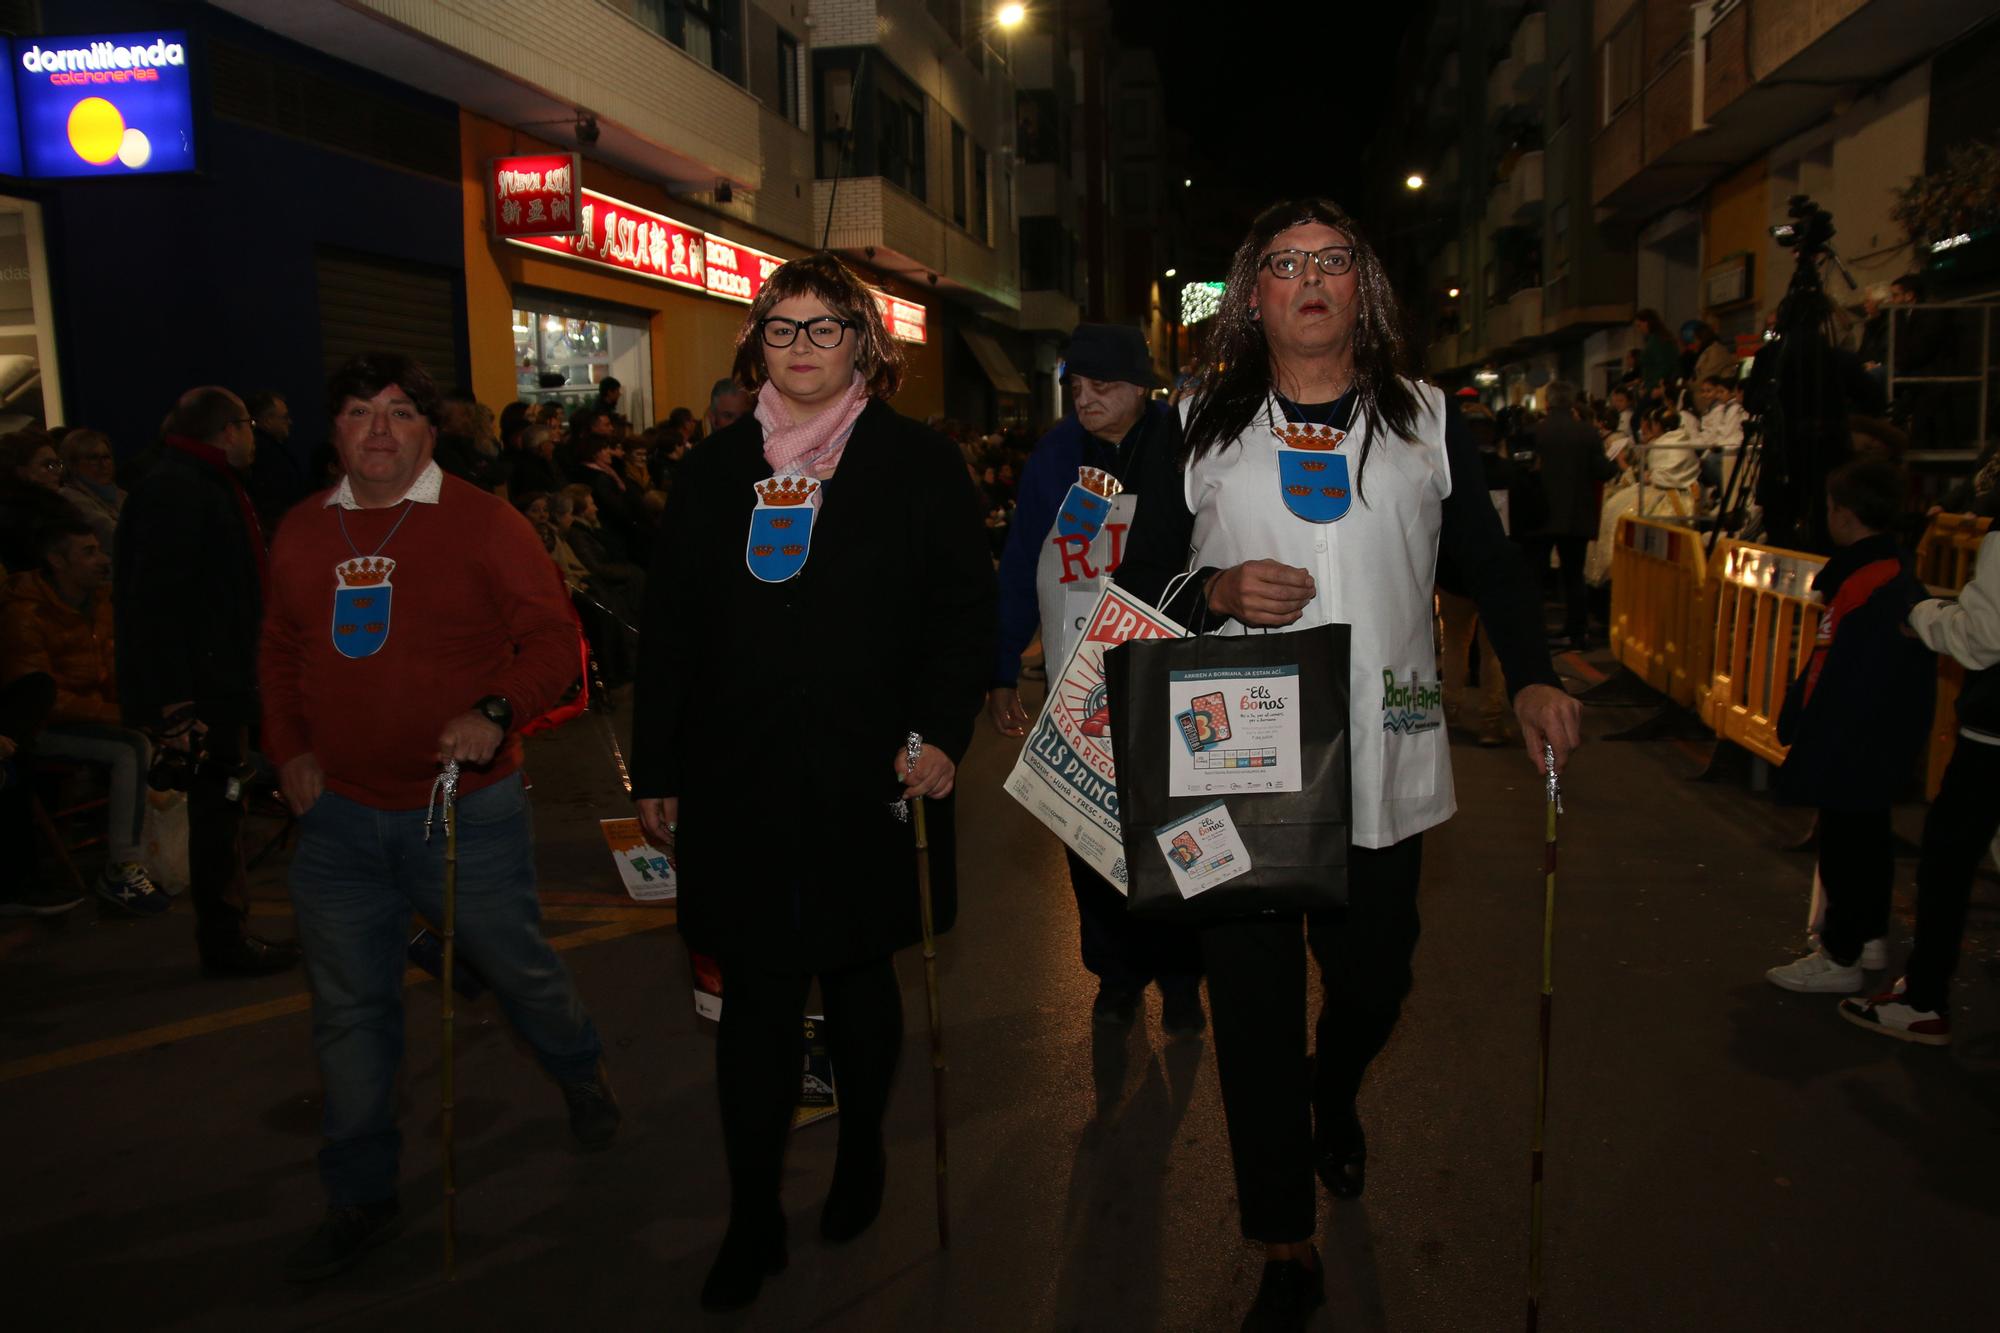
(749, 1255)
(344, 1236)
(593, 1108)
(1290, 1292)
(1343, 1157)
(1181, 1014)
(855, 1200)
(247, 956)
(1114, 1007)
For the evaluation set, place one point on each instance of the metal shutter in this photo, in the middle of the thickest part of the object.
(371, 304)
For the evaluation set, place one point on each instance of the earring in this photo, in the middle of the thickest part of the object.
(1255, 314)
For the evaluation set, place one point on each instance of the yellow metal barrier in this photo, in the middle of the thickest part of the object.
(1660, 605)
(1945, 558)
(1765, 619)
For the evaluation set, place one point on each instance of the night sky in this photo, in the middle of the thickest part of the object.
(1275, 100)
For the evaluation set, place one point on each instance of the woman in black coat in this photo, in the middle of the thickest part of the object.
(821, 590)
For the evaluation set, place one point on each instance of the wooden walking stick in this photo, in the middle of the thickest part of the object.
(445, 795)
(1548, 1008)
(916, 745)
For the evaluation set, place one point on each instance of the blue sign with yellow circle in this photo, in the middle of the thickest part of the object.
(116, 105)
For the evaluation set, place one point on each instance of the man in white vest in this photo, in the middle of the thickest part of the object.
(1305, 352)
(1072, 513)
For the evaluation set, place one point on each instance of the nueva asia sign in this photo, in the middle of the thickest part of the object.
(637, 241)
(539, 195)
(103, 106)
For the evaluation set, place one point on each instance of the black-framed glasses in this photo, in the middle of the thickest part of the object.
(1333, 261)
(823, 331)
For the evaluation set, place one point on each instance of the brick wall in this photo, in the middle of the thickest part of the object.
(1615, 153)
(1726, 72)
(1669, 107)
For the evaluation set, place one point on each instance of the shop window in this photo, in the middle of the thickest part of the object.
(563, 352)
(958, 173)
(711, 31)
(788, 77)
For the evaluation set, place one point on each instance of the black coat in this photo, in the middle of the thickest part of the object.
(1856, 737)
(627, 531)
(1572, 461)
(531, 473)
(775, 712)
(187, 595)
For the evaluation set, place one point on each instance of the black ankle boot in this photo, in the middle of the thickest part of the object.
(1343, 1157)
(749, 1255)
(855, 1200)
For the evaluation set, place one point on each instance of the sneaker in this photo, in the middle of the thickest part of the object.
(38, 899)
(1816, 972)
(343, 1237)
(593, 1109)
(1114, 1007)
(1181, 1014)
(1892, 1016)
(126, 886)
(1287, 1296)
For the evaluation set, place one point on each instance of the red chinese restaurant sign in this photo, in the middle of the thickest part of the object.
(535, 196)
(635, 240)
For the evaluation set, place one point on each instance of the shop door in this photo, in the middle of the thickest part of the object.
(371, 304)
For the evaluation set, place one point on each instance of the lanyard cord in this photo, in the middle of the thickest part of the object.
(340, 512)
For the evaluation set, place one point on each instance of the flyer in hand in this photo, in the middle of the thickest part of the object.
(1066, 776)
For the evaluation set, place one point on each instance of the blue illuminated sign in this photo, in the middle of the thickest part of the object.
(104, 106)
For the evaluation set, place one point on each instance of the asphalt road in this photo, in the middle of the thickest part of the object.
(1722, 1155)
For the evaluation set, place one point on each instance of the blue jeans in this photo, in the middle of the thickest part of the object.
(357, 877)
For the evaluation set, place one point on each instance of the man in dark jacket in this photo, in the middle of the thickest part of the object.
(1051, 572)
(188, 590)
(1856, 719)
(1573, 465)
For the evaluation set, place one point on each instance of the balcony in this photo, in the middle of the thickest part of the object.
(1522, 192)
(1442, 102)
(1529, 53)
(1524, 313)
(1441, 357)
(1763, 73)
(893, 230)
(1502, 86)
(1049, 310)
(1442, 272)
(1444, 179)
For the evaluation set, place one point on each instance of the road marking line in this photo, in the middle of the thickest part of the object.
(166, 1033)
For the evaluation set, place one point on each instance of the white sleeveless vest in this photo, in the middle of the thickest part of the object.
(1373, 569)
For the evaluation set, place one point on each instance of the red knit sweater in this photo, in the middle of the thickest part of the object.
(474, 612)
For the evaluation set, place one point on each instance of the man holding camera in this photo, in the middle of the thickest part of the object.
(188, 588)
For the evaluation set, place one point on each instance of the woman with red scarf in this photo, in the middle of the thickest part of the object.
(821, 590)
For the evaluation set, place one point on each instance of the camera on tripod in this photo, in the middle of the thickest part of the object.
(1811, 227)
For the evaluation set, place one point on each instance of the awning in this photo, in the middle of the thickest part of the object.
(993, 360)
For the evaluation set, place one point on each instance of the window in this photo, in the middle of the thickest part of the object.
(979, 196)
(958, 173)
(1562, 94)
(1559, 238)
(885, 135)
(709, 30)
(1621, 52)
(788, 77)
(1048, 253)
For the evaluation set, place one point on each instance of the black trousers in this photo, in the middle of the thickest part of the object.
(1857, 868)
(1576, 593)
(216, 878)
(758, 1061)
(1126, 951)
(1957, 832)
(24, 709)
(1272, 1090)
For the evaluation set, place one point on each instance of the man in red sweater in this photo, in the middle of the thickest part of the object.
(411, 621)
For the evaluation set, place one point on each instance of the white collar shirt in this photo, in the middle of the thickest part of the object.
(424, 490)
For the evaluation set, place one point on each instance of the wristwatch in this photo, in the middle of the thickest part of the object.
(495, 709)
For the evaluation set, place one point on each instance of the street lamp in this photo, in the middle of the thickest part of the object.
(1011, 15)
(1188, 183)
(1452, 293)
(1172, 271)
(1413, 181)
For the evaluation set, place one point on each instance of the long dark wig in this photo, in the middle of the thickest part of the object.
(1234, 380)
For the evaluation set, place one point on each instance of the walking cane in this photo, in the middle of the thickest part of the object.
(444, 794)
(1548, 1007)
(916, 746)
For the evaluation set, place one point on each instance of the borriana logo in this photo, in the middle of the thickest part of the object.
(103, 56)
(1410, 706)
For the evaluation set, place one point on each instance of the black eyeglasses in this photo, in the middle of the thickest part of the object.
(1333, 261)
(824, 331)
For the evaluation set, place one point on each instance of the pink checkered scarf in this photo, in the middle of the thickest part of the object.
(813, 446)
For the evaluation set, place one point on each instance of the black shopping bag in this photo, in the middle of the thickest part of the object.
(1295, 842)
